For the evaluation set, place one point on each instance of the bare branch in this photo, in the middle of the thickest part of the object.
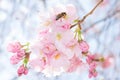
(82, 20)
(91, 11)
(104, 19)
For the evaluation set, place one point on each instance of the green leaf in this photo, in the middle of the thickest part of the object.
(25, 61)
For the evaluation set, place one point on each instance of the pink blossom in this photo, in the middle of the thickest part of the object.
(48, 48)
(93, 65)
(74, 47)
(38, 63)
(57, 48)
(92, 70)
(70, 11)
(21, 53)
(92, 73)
(90, 58)
(75, 62)
(25, 71)
(15, 59)
(58, 60)
(66, 36)
(66, 27)
(14, 47)
(61, 39)
(43, 33)
(71, 15)
(109, 61)
(72, 43)
(84, 46)
(22, 70)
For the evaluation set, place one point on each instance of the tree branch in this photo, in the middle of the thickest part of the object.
(104, 19)
(82, 20)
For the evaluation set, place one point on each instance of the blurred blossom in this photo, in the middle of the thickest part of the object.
(21, 20)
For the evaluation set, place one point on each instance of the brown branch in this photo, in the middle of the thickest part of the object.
(82, 20)
(104, 19)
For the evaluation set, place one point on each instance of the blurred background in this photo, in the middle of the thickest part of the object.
(20, 20)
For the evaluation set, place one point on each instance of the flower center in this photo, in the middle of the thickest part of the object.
(58, 36)
(57, 56)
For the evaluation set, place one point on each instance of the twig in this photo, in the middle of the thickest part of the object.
(82, 20)
(104, 19)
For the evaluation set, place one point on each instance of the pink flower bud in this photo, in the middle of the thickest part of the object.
(90, 58)
(92, 73)
(93, 65)
(108, 62)
(84, 46)
(14, 47)
(25, 71)
(22, 70)
(21, 53)
(15, 59)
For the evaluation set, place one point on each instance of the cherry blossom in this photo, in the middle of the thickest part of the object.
(22, 70)
(58, 48)
(75, 62)
(14, 47)
(84, 46)
(108, 61)
(15, 59)
(21, 53)
(38, 64)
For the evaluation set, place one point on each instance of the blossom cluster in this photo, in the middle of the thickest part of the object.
(20, 53)
(58, 48)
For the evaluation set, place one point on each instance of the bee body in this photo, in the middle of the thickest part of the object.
(61, 15)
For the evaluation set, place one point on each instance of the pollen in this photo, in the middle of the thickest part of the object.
(57, 56)
(58, 36)
(72, 47)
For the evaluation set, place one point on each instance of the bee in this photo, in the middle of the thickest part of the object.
(61, 15)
